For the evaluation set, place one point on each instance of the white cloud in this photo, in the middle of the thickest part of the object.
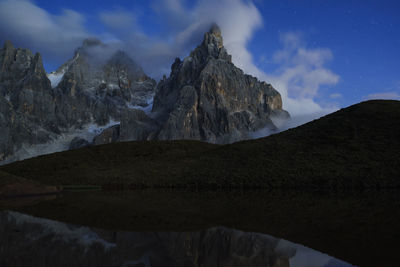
(301, 69)
(335, 95)
(238, 20)
(385, 95)
(28, 25)
(170, 7)
(300, 75)
(119, 19)
(173, 13)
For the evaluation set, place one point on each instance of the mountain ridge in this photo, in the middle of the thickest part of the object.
(42, 112)
(205, 98)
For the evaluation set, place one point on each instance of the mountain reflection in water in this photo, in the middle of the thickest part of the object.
(32, 241)
(357, 227)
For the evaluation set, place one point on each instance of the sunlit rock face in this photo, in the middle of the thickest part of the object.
(30, 241)
(207, 98)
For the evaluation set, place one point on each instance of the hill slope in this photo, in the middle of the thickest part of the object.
(358, 146)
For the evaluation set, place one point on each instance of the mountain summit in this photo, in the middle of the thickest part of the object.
(101, 95)
(94, 88)
(207, 98)
(99, 83)
(27, 112)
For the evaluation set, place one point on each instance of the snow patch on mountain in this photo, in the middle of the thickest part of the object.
(55, 78)
(60, 142)
(96, 129)
(146, 108)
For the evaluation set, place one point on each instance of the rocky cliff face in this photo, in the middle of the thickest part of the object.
(95, 87)
(27, 107)
(99, 83)
(207, 98)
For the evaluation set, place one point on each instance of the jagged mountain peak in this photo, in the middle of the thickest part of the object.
(91, 48)
(95, 87)
(119, 54)
(215, 29)
(121, 58)
(214, 36)
(8, 45)
(96, 53)
(207, 98)
(18, 63)
(96, 65)
(89, 44)
(37, 66)
(211, 47)
(106, 76)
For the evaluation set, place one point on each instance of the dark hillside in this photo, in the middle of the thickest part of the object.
(355, 147)
(358, 146)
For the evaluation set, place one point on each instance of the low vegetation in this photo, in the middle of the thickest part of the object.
(356, 147)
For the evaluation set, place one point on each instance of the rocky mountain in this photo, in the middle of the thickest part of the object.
(99, 83)
(207, 98)
(101, 95)
(42, 113)
(27, 107)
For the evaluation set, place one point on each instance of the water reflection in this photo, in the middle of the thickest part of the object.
(15, 202)
(357, 227)
(30, 241)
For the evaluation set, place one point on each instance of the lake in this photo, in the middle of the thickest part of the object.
(204, 228)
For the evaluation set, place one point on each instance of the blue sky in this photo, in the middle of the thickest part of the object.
(320, 54)
(364, 37)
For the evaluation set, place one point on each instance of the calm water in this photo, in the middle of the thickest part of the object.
(182, 228)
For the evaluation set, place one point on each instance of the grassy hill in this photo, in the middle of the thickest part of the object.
(356, 147)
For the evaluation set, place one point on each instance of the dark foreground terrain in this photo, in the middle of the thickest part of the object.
(356, 147)
(355, 150)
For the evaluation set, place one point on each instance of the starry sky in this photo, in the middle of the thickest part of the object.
(320, 54)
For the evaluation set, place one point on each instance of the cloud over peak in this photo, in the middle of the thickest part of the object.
(28, 25)
(302, 69)
(117, 20)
